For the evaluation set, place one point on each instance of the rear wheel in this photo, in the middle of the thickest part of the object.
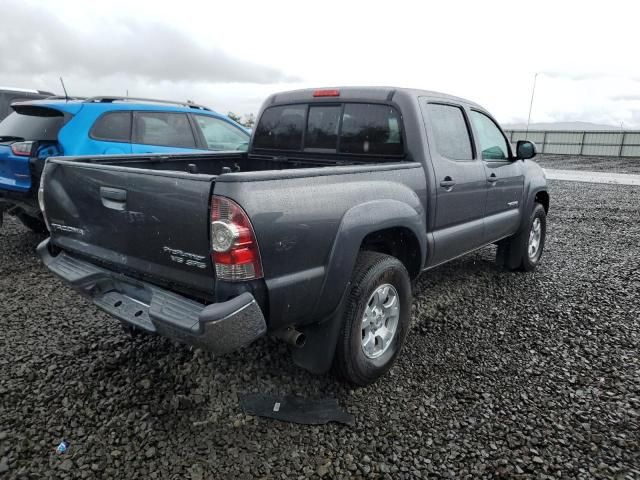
(35, 224)
(524, 250)
(376, 319)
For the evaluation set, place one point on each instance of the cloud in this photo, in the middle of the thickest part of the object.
(125, 46)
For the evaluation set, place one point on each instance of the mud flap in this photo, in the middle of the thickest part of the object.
(316, 356)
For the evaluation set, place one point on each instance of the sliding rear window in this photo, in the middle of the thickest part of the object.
(350, 128)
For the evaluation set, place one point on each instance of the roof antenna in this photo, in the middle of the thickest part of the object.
(66, 97)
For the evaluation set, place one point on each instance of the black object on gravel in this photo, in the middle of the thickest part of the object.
(291, 408)
(503, 374)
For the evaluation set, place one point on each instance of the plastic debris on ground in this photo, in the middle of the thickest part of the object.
(295, 409)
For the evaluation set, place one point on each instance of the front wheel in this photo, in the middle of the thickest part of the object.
(524, 250)
(376, 319)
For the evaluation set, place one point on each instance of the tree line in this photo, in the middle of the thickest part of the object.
(247, 120)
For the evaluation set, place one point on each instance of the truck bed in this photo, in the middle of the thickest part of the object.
(216, 163)
(149, 215)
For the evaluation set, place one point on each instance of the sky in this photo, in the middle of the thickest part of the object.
(231, 55)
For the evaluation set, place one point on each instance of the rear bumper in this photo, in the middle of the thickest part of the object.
(219, 327)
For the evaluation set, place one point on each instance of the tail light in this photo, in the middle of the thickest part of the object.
(235, 251)
(22, 149)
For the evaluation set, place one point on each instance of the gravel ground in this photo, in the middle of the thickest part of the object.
(504, 375)
(594, 164)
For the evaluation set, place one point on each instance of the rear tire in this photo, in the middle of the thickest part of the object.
(376, 319)
(523, 251)
(35, 224)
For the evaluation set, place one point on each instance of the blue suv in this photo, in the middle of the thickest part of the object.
(58, 126)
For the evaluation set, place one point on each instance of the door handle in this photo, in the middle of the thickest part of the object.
(114, 198)
(492, 178)
(448, 182)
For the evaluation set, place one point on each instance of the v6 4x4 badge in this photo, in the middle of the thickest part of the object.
(186, 258)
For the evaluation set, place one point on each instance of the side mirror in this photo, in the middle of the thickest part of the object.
(525, 150)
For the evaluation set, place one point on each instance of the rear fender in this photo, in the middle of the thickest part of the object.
(361, 220)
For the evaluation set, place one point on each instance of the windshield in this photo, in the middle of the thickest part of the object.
(43, 124)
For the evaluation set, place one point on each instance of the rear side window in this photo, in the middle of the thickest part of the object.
(370, 129)
(280, 128)
(162, 128)
(352, 128)
(450, 131)
(113, 126)
(35, 123)
(322, 127)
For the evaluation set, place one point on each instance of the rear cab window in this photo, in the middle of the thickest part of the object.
(348, 128)
(32, 123)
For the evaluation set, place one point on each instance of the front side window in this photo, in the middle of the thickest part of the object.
(220, 135)
(450, 132)
(113, 126)
(281, 128)
(492, 143)
(162, 128)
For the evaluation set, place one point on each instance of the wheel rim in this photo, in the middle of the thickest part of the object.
(535, 239)
(380, 320)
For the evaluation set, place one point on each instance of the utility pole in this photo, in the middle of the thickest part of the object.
(533, 92)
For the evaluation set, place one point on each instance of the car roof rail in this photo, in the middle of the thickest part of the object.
(62, 97)
(145, 100)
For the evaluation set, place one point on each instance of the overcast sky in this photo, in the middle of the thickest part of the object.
(231, 55)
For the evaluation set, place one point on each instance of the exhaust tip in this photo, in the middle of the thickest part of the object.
(292, 336)
(301, 339)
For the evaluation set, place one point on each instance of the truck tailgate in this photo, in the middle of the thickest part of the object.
(144, 223)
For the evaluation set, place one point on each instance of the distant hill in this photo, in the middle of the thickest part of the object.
(579, 126)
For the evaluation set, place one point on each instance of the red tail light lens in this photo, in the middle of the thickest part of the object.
(327, 93)
(22, 149)
(235, 251)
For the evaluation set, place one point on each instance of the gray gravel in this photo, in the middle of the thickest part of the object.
(590, 163)
(515, 375)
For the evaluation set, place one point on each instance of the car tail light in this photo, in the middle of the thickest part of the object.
(327, 93)
(22, 149)
(235, 251)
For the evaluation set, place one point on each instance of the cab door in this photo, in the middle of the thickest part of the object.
(504, 176)
(460, 182)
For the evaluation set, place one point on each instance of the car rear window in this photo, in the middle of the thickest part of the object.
(350, 128)
(33, 124)
(113, 126)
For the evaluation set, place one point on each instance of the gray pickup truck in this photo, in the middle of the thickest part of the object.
(313, 235)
